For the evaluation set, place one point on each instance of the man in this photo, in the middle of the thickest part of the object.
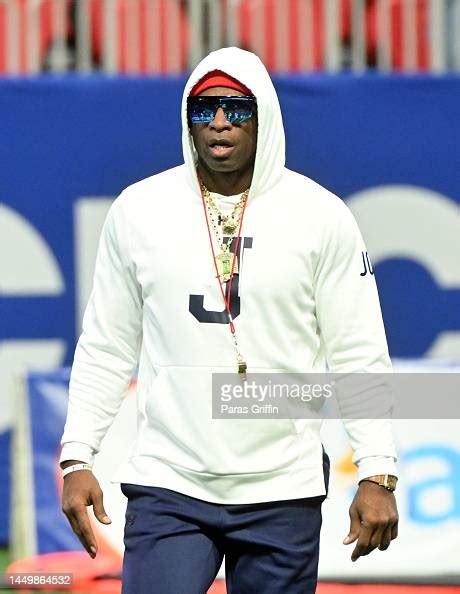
(233, 263)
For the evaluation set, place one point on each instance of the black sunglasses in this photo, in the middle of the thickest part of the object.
(237, 110)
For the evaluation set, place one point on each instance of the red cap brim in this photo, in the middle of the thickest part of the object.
(217, 78)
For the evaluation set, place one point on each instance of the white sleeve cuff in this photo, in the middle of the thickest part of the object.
(372, 465)
(75, 450)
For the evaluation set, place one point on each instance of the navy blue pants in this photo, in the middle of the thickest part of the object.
(174, 544)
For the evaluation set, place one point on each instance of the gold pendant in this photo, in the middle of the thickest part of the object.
(242, 369)
(224, 266)
(228, 226)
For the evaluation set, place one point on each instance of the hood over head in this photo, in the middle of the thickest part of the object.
(247, 68)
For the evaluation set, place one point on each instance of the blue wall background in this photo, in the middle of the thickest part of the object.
(67, 137)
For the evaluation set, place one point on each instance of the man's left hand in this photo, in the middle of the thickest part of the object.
(373, 519)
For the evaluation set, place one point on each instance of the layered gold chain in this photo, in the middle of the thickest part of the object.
(225, 265)
(230, 227)
(229, 224)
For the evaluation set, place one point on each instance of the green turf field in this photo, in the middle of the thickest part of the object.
(4, 559)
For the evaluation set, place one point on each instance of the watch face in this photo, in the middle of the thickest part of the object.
(390, 482)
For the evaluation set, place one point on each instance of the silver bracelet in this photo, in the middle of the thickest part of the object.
(75, 467)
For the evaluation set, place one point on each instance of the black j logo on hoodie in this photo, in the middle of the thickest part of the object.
(196, 307)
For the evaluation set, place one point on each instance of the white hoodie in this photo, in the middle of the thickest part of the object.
(301, 300)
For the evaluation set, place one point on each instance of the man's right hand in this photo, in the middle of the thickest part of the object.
(82, 489)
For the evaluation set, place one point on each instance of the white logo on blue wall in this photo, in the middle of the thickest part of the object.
(31, 284)
(413, 237)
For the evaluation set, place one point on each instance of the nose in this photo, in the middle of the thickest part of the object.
(220, 122)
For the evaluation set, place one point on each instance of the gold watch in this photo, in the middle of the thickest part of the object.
(387, 481)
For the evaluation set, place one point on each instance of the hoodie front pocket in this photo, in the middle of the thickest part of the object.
(182, 430)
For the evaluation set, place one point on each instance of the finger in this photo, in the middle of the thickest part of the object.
(385, 539)
(76, 528)
(90, 549)
(98, 508)
(84, 530)
(353, 534)
(394, 531)
(363, 546)
(376, 540)
(377, 535)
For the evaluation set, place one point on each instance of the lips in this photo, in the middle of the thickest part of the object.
(219, 142)
(220, 147)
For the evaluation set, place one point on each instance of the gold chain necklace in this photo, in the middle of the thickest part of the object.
(229, 224)
(221, 274)
(229, 227)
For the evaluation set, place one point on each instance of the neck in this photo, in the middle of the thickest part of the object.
(228, 184)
